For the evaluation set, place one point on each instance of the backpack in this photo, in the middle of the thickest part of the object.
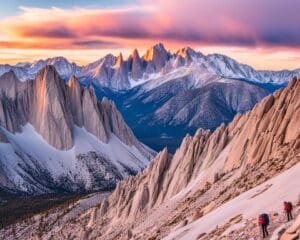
(266, 218)
(288, 206)
(261, 220)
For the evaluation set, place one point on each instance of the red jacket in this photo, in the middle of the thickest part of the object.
(287, 206)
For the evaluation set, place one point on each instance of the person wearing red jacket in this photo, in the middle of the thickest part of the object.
(263, 221)
(288, 207)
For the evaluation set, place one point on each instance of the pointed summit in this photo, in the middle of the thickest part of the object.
(9, 75)
(188, 53)
(74, 91)
(137, 65)
(154, 51)
(101, 73)
(52, 61)
(135, 54)
(119, 61)
(158, 55)
(8, 83)
(48, 79)
(73, 82)
(119, 78)
(50, 100)
(11, 88)
(159, 47)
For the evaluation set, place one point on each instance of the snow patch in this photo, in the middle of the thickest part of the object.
(28, 148)
(283, 186)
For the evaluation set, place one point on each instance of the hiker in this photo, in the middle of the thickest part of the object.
(264, 221)
(288, 207)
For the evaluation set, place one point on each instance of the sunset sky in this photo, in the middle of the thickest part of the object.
(262, 33)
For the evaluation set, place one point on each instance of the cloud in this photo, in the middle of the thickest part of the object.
(251, 23)
(95, 44)
(231, 22)
(48, 32)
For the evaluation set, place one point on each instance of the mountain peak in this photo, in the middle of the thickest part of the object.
(50, 100)
(119, 60)
(158, 55)
(155, 50)
(56, 59)
(136, 65)
(8, 85)
(135, 54)
(187, 51)
(73, 82)
(9, 75)
(159, 46)
(47, 73)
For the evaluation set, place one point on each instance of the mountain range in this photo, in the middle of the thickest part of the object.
(119, 74)
(163, 95)
(213, 187)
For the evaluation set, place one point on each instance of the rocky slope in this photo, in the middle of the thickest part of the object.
(59, 118)
(208, 171)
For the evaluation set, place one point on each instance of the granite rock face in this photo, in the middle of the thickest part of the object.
(93, 120)
(50, 114)
(15, 101)
(54, 107)
(75, 94)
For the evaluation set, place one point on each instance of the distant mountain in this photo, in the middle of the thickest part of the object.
(57, 137)
(26, 71)
(120, 74)
(164, 95)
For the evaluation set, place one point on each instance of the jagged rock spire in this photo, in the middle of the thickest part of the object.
(119, 61)
(137, 65)
(50, 112)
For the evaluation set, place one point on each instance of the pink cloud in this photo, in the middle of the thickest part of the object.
(215, 22)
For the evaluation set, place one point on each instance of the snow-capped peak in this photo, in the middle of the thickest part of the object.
(156, 62)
